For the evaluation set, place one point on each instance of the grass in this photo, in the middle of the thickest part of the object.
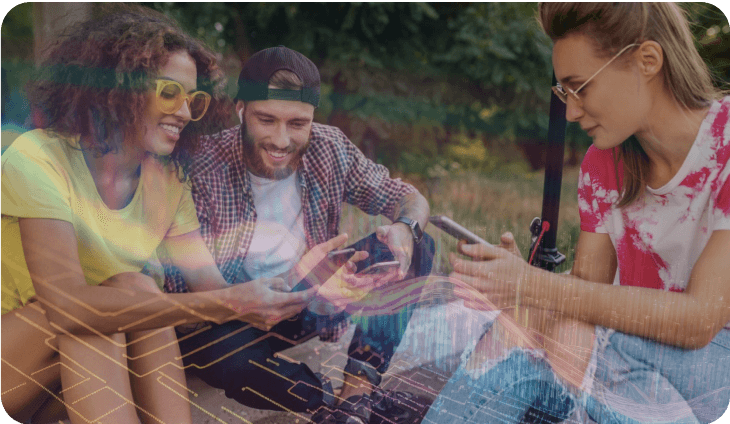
(488, 205)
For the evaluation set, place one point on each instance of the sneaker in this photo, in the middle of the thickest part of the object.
(354, 410)
(397, 407)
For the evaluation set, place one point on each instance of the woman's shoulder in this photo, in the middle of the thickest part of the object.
(599, 162)
(600, 174)
(717, 118)
(41, 145)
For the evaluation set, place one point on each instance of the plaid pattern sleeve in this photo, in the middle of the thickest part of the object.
(336, 171)
(332, 171)
(223, 204)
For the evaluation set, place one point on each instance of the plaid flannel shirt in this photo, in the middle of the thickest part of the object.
(332, 171)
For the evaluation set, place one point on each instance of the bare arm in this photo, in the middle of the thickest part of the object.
(414, 206)
(50, 249)
(689, 320)
(263, 302)
(189, 254)
(595, 261)
(595, 258)
(398, 236)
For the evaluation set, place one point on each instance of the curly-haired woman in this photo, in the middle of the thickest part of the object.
(86, 201)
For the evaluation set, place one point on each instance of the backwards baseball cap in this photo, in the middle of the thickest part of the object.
(253, 82)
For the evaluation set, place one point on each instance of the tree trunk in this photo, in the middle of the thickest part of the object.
(51, 19)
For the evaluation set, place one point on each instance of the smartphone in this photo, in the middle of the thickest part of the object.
(325, 269)
(380, 268)
(340, 257)
(452, 228)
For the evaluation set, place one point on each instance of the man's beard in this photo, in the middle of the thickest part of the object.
(252, 157)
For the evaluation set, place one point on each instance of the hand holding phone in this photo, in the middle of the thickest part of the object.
(325, 269)
(340, 257)
(345, 288)
(455, 230)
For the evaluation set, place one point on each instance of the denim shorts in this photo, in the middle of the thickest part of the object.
(505, 391)
(636, 381)
(640, 380)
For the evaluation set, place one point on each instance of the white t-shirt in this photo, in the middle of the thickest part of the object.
(278, 241)
(659, 237)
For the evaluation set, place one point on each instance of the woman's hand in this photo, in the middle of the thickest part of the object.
(494, 271)
(265, 302)
(345, 287)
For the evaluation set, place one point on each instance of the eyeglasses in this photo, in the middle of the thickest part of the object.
(560, 91)
(171, 95)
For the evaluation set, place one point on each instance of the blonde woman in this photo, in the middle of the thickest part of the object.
(647, 304)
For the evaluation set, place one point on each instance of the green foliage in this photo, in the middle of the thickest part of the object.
(378, 34)
(211, 22)
(18, 22)
(712, 32)
(470, 153)
(427, 166)
(477, 67)
(501, 48)
(495, 52)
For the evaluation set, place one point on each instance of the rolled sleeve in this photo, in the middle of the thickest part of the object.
(370, 187)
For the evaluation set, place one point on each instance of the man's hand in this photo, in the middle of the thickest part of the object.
(265, 302)
(346, 287)
(318, 253)
(399, 239)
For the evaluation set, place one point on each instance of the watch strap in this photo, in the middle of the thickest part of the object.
(413, 225)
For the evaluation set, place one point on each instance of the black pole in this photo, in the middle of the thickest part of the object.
(547, 255)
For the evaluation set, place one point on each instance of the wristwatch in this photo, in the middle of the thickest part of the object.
(413, 225)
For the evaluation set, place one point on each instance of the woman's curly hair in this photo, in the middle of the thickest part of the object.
(94, 80)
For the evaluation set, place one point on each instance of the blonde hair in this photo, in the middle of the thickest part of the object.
(613, 26)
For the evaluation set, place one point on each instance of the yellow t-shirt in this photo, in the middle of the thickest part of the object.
(44, 176)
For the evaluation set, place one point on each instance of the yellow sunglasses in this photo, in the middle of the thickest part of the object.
(171, 95)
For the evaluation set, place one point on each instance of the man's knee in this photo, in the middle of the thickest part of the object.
(132, 281)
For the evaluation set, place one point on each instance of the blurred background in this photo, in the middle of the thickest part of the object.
(452, 97)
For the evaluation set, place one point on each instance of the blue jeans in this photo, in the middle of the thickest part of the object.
(639, 380)
(518, 387)
(636, 381)
(240, 359)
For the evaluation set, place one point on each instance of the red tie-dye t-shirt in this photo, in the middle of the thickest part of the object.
(659, 237)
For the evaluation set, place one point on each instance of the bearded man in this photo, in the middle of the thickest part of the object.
(268, 193)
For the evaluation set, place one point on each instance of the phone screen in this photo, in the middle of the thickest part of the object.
(380, 268)
(325, 269)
